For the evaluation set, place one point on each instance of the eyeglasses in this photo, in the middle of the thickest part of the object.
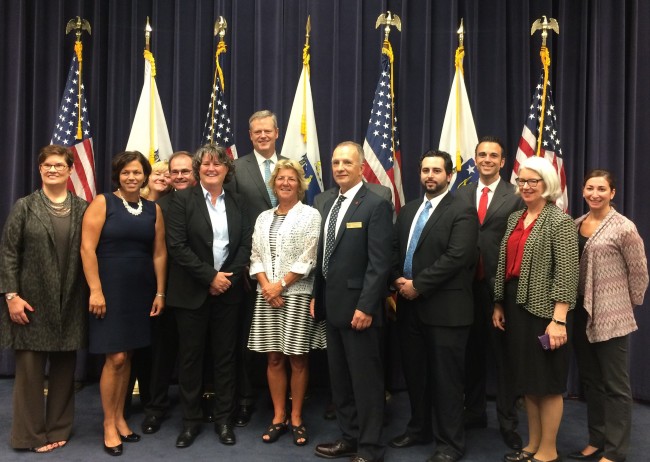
(184, 172)
(57, 167)
(532, 182)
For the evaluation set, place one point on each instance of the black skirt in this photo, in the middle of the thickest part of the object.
(535, 371)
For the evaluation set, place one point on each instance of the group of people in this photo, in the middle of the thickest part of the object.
(229, 260)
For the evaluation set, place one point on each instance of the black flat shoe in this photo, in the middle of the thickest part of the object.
(132, 438)
(406, 441)
(187, 436)
(225, 433)
(151, 424)
(518, 456)
(578, 455)
(244, 414)
(114, 450)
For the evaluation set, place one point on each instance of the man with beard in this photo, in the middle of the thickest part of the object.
(434, 252)
(164, 343)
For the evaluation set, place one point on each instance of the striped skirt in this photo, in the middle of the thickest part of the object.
(289, 330)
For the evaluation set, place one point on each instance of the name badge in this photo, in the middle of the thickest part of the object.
(354, 225)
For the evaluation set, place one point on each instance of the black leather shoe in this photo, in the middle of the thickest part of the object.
(187, 436)
(132, 438)
(341, 448)
(406, 440)
(151, 424)
(226, 433)
(578, 455)
(512, 439)
(114, 450)
(363, 459)
(243, 416)
(442, 457)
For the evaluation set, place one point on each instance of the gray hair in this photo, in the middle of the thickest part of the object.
(544, 168)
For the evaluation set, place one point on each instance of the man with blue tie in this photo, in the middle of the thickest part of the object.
(349, 289)
(434, 253)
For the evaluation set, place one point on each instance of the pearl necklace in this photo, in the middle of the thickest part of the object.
(133, 211)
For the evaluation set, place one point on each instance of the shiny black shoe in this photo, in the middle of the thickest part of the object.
(114, 450)
(226, 433)
(187, 436)
(518, 456)
(132, 438)
(243, 416)
(406, 441)
(341, 448)
(512, 439)
(578, 455)
(151, 424)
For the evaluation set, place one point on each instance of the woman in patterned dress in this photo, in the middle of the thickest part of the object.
(285, 241)
(534, 291)
(613, 280)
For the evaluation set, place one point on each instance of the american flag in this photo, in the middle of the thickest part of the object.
(551, 147)
(82, 179)
(218, 127)
(381, 148)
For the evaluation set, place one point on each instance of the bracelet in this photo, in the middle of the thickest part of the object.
(559, 323)
(158, 294)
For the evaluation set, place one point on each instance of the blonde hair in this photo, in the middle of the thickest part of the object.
(303, 183)
(162, 166)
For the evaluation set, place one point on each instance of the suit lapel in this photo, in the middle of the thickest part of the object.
(38, 209)
(255, 174)
(199, 201)
(434, 217)
(357, 200)
(498, 199)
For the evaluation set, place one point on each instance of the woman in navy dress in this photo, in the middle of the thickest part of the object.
(124, 259)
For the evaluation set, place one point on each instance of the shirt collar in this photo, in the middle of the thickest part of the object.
(492, 187)
(207, 194)
(352, 191)
(260, 158)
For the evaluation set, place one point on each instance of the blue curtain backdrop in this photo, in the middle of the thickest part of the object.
(599, 73)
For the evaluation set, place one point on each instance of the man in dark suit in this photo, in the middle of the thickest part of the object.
(209, 243)
(251, 181)
(434, 252)
(164, 341)
(349, 290)
(499, 201)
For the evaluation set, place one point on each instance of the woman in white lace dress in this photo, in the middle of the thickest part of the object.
(285, 241)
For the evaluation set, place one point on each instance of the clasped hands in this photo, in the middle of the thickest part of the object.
(220, 283)
(405, 288)
(272, 292)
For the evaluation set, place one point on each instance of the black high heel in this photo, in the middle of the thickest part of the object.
(114, 451)
(132, 438)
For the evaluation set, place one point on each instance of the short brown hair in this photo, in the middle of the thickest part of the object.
(126, 157)
(55, 150)
(214, 152)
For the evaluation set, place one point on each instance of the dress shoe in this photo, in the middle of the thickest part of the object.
(187, 436)
(114, 450)
(341, 448)
(518, 456)
(363, 459)
(132, 438)
(243, 416)
(512, 439)
(578, 455)
(226, 433)
(405, 441)
(442, 457)
(151, 424)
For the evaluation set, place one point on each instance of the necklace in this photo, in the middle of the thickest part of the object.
(57, 209)
(133, 211)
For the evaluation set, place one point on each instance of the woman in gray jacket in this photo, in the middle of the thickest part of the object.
(43, 316)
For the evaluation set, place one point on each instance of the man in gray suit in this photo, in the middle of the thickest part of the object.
(252, 173)
(499, 201)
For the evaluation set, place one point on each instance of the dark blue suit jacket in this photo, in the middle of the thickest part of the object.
(360, 262)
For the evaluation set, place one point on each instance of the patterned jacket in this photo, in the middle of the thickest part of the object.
(549, 266)
(613, 277)
(295, 247)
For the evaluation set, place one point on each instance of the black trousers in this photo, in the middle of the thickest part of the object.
(433, 359)
(605, 381)
(246, 359)
(484, 338)
(357, 381)
(220, 320)
(164, 346)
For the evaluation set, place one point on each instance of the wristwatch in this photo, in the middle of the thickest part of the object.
(10, 296)
(283, 283)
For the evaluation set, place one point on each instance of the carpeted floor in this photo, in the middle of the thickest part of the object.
(482, 445)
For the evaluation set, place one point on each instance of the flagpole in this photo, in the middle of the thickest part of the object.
(305, 63)
(544, 25)
(458, 62)
(389, 19)
(148, 56)
(78, 25)
(220, 27)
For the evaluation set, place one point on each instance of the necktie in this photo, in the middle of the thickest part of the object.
(267, 177)
(331, 230)
(417, 231)
(482, 205)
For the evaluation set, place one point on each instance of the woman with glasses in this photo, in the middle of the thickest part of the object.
(534, 292)
(43, 313)
(613, 280)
